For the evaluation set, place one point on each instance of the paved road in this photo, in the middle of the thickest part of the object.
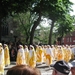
(45, 70)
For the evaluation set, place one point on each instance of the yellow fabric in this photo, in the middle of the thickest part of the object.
(27, 57)
(55, 51)
(48, 59)
(72, 56)
(67, 55)
(32, 59)
(1, 69)
(37, 48)
(60, 55)
(0, 51)
(20, 57)
(32, 62)
(6, 55)
(39, 55)
(44, 55)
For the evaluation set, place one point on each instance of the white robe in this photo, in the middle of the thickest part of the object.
(32, 58)
(2, 64)
(21, 57)
(7, 56)
(49, 55)
(26, 52)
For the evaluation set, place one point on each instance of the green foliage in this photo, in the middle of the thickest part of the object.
(30, 12)
(14, 6)
(41, 35)
(66, 25)
(24, 25)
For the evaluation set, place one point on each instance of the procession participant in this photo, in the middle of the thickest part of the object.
(60, 53)
(67, 54)
(44, 53)
(6, 55)
(70, 53)
(48, 55)
(61, 68)
(44, 50)
(20, 56)
(13, 54)
(32, 56)
(2, 62)
(64, 51)
(39, 54)
(53, 52)
(37, 47)
(26, 51)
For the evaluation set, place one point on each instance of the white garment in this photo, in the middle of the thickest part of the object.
(22, 53)
(26, 50)
(49, 51)
(1, 56)
(31, 53)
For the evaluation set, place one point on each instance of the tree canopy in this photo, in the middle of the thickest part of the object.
(51, 9)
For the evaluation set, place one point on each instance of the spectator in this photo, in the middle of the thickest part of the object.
(13, 54)
(61, 68)
(23, 70)
(72, 65)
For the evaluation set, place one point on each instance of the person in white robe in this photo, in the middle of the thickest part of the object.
(20, 56)
(60, 53)
(49, 55)
(6, 55)
(26, 51)
(32, 57)
(39, 53)
(67, 54)
(2, 62)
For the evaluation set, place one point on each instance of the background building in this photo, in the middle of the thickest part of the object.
(8, 32)
(69, 38)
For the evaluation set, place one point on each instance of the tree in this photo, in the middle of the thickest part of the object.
(41, 34)
(36, 23)
(8, 7)
(65, 26)
(58, 9)
(40, 8)
(24, 25)
(61, 8)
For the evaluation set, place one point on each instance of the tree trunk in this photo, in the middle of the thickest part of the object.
(50, 35)
(36, 23)
(27, 38)
(61, 38)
